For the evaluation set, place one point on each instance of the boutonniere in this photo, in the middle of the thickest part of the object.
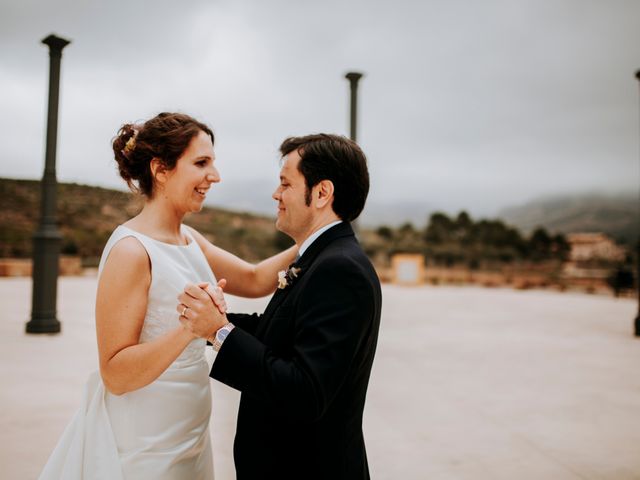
(287, 277)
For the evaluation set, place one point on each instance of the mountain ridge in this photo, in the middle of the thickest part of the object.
(88, 214)
(617, 215)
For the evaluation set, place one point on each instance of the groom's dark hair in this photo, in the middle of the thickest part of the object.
(335, 158)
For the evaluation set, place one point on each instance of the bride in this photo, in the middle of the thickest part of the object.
(146, 414)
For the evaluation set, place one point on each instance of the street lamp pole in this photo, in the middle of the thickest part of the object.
(353, 78)
(47, 238)
(637, 321)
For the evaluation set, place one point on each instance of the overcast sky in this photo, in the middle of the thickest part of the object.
(464, 104)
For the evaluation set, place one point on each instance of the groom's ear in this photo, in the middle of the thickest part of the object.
(323, 193)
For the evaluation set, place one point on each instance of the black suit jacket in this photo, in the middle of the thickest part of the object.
(303, 367)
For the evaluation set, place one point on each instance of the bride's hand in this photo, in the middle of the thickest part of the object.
(197, 312)
(216, 293)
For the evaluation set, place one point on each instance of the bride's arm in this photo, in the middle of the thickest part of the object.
(243, 278)
(121, 304)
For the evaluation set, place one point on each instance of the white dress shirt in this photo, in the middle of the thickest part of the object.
(311, 238)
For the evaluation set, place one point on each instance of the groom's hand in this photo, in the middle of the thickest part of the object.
(216, 292)
(198, 313)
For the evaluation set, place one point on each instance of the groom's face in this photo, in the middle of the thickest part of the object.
(295, 217)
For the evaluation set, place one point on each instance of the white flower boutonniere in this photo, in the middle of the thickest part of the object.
(282, 279)
(287, 277)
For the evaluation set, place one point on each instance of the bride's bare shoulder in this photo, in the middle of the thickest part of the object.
(128, 254)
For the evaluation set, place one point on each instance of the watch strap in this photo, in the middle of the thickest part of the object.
(221, 335)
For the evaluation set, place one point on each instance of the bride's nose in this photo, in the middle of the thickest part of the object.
(213, 177)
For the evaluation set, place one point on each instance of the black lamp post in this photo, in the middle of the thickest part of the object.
(637, 321)
(46, 239)
(353, 78)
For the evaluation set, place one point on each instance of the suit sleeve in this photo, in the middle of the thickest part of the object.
(334, 315)
(247, 322)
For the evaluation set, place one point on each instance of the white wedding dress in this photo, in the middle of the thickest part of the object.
(160, 431)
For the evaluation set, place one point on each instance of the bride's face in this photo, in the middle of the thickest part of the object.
(187, 184)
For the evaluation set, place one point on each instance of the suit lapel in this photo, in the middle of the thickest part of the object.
(304, 263)
(277, 298)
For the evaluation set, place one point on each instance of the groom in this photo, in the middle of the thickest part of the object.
(303, 365)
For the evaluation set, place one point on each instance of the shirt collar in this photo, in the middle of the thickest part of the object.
(311, 238)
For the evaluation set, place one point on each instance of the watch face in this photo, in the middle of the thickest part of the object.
(222, 334)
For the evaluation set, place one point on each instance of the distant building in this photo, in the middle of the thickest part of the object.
(407, 268)
(587, 247)
(592, 260)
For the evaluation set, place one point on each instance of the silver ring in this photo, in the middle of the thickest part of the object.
(184, 310)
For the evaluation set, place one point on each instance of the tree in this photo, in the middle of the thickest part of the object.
(621, 279)
(407, 229)
(540, 244)
(407, 239)
(385, 232)
(560, 247)
(439, 230)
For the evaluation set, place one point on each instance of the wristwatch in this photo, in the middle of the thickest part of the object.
(221, 335)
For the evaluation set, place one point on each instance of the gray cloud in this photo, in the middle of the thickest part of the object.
(474, 105)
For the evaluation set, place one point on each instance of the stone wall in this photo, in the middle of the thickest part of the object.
(22, 267)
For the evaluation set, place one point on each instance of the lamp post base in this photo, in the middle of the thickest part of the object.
(44, 325)
(46, 249)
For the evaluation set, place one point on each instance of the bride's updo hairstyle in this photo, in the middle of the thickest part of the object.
(165, 137)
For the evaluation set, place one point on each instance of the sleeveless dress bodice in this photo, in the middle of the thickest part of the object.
(172, 267)
(159, 431)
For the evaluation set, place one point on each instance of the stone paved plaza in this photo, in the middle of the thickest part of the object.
(468, 383)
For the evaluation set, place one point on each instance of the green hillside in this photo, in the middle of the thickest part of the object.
(87, 216)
